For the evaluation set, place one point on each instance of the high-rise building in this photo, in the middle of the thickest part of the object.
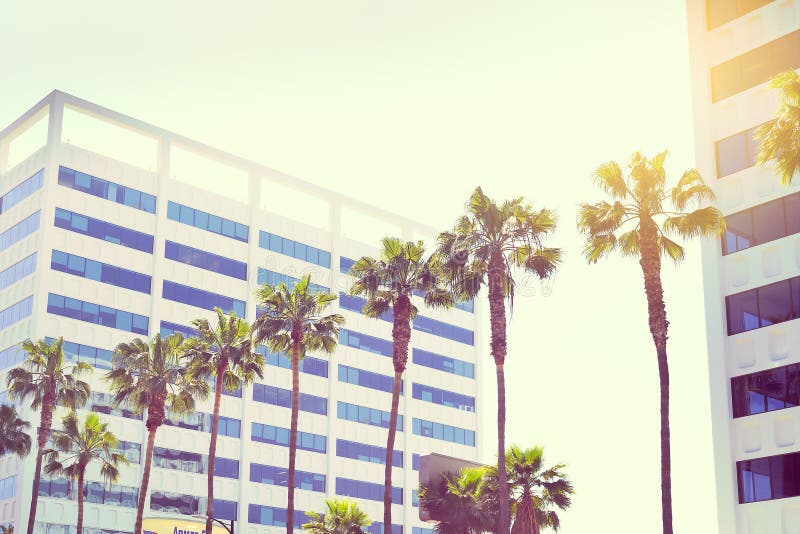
(111, 229)
(752, 275)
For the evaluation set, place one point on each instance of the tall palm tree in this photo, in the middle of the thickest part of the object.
(83, 443)
(153, 377)
(388, 284)
(14, 437)
(225, 354)
(458, 502)
(340, 517)
(486, 246)
(46, 379)
(780, 139)
(643, 213)
(293, 323)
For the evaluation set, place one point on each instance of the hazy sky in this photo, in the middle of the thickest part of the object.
(409, 105)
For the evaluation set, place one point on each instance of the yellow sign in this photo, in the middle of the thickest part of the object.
(178, 525)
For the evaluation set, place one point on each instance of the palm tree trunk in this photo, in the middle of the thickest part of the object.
(79, 528)
(45, 424)
(650, 262)
(148, 459)
(293, 434)
(497, 321)
(212, 448)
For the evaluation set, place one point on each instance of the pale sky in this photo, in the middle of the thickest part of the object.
(409, 105)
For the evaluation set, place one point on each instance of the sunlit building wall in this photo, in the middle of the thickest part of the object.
(751, 275)
(111, 228)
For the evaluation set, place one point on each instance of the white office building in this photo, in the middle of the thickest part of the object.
(751, 277)
(111, 228)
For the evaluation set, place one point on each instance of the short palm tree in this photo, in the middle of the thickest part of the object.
(225, 354)
(340, 517)
(637, 222)
(780, 139)
(485, 248)
(388, 284)
(46, 379)
(83, 443)
(293, 323)
(14, 437)
(152, 376)
(458, 502)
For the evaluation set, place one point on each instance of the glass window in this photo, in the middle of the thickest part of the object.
(742, 312)
(774, 303)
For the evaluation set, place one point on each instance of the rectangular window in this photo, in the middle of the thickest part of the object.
(366, 415)
(300, 251)
(14, 273)
(94, 356)
(366, 490)
(206, 221)
(272, 278)
(106, 231)
(202, 299)
(309, 364)
(97, 314)
(762, 224)
(453, 434)
(766, 391)
(367, 379)
(11, 356)
(443, 363)
(192, 462)
(99, 187)
(376, 345)
(16, 312)
(279, 476)
(93, 492)
(345, 264)
(200, 421)
(275, 435)
(763, 306)
(8, 488)
(21, 191)
(443, 397)
(205, 260)
(19, 231)
(773, 477)
(258, 514)
(100, 272)
(367, 453)
(737, 152)
(283, 397)
(167, 329)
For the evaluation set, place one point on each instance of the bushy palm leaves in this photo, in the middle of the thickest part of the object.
(458, 501)
(293, 323)
(485, 248)
(780, 139)
(340, 517)
(152, 376)
(640, 221)
(14, 436)
(388, 284)
(83, 443)
(44, 380)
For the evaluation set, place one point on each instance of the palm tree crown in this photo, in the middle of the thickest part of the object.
(780, 139)
(341, 516)
(14, 436)
(458, 502)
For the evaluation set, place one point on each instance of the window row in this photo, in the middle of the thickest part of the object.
(178, 503)
(97, 314)
(453, 434)
(8, 487)
(167, 328)
(104, 403)
(200, 421)
(53, 528)
(16, 312)
(718, 12)
(130, 450)
(377, 528)
(265, 276)
(93, 492)
(18, 271)
(94, 356)
(86, 183)
(22, 191)
(283, 397)
(101, 272)
(736, 152)
(376, 345)
(755, 66)
(294, 249)
(467, 306)
(205, 260)
(106, 231)
(19, 231)
(443, 397)
(766, 391)
(764, 479)
(279, 476)
(201, 298)
(206, 221)
(421, 530)
(763, 306)
(367, 453)
(276, 435)
(258, 514)
(11, 356)
(367, 379)
(193, 462)
(366, 415)
(372, 491)
(762, 224)
(309, 364)
(443, 363)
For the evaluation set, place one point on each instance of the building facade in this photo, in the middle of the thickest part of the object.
(101, 246)
(751, 276)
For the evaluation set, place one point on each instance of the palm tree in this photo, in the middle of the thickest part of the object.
(225, 354)
(340, 517)
(14, 437)
(83, 443)
(638, 225)
(7, 529)
(780, 139)
(153, 377)
(485, 247)
(47, 379)
(292, 323)
(458, 502)
(388, 283)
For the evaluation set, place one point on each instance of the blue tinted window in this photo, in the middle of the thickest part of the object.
(101, 272)
(276, 435)
(309, 364)
(761, 224)
(108, 190)
(94, 356)
(443, 363)
(201, 299)
(11, 356)
(345, 264)
(16, 312)
(415, 462)
(97, 314)
(200, 421)
(103, 230)
(272, 278)
(19, 231)
(205, 260)
(283, 397)
(8, 487)
(366, 415)
(774, 389)
(367, 453)
(443, 397)
(192, 462)
(18, 271)
(367, 379)
(168, 328)
(350, 338)
(258, 514)
(287, 247)
(366, 490)
(772, 477)
(453, 434)
(206, 221)
(377, 528)
(279, 476)
(21, 191)
(93, 492)
(763, 306)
